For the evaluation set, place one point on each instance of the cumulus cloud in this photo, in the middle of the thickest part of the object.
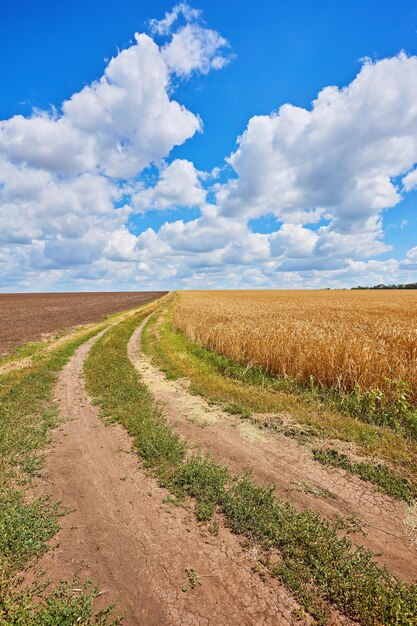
(336, 165)
(194, 48)
(410, 261)
(116, 126)
(410, 181)
(64, 173)
(341, 155)
(178, 185)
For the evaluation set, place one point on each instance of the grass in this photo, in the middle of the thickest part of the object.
(66, 605)
(26, 524)
(384, 478)
(248, 390)
(312, 555)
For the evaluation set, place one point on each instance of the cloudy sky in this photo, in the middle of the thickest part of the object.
(152, 145)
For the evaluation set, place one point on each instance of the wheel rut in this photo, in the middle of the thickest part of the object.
(120, 531)
(278, 460)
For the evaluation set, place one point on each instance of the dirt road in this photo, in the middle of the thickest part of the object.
(144, 552)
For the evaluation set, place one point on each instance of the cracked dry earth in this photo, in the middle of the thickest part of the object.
(120, 531)
(279, 460)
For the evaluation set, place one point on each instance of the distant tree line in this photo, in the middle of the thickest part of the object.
(403, 286)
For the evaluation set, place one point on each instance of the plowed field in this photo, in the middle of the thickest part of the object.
(28, 317)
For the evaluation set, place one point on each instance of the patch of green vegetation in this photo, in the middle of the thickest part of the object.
(293, 576)
(28, 349)
(313, 555)
(373, 406)
(384, 478)
(66, 605)
(26, 414)
(236, 409)
(227, 383)
(25, 528)
(193, 579)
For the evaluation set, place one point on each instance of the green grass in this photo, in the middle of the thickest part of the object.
(26, 414)
(248, 391)
(66, 605)
(384, 478)
(313, 556)
(25, 528)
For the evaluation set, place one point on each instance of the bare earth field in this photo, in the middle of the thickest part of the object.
(28, 317)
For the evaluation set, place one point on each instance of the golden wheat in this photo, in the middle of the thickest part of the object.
(341, 338)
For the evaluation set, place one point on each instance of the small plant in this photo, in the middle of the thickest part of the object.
(193, 578)
(66, 605)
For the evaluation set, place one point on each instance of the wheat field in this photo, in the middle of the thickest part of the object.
(341, 338)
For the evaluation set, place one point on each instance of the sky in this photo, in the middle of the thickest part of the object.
(155, 145)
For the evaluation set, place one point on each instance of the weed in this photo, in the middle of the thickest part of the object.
(193, 578)
(236, 409)
(68, 604)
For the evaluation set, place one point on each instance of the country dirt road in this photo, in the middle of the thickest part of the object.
(123, 533)
(278, 460)
(123, 530)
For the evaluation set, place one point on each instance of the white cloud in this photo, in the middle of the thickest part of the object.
(116, 126)
(293, 239)
(410, 261)
(164, 26)
(341, 155)
(410, 181)
(194, 48)
(61, 172)
(178, 185)
(205, 234)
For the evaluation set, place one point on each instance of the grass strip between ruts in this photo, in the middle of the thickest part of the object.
(320, 568)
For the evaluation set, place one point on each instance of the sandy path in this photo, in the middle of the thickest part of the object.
(279, 460)
(138, 547)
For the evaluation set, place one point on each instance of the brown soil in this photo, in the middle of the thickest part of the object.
(28, 317)
(281, 461)
(122, 532)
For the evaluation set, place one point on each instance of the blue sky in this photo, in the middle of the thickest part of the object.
(242, 226)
